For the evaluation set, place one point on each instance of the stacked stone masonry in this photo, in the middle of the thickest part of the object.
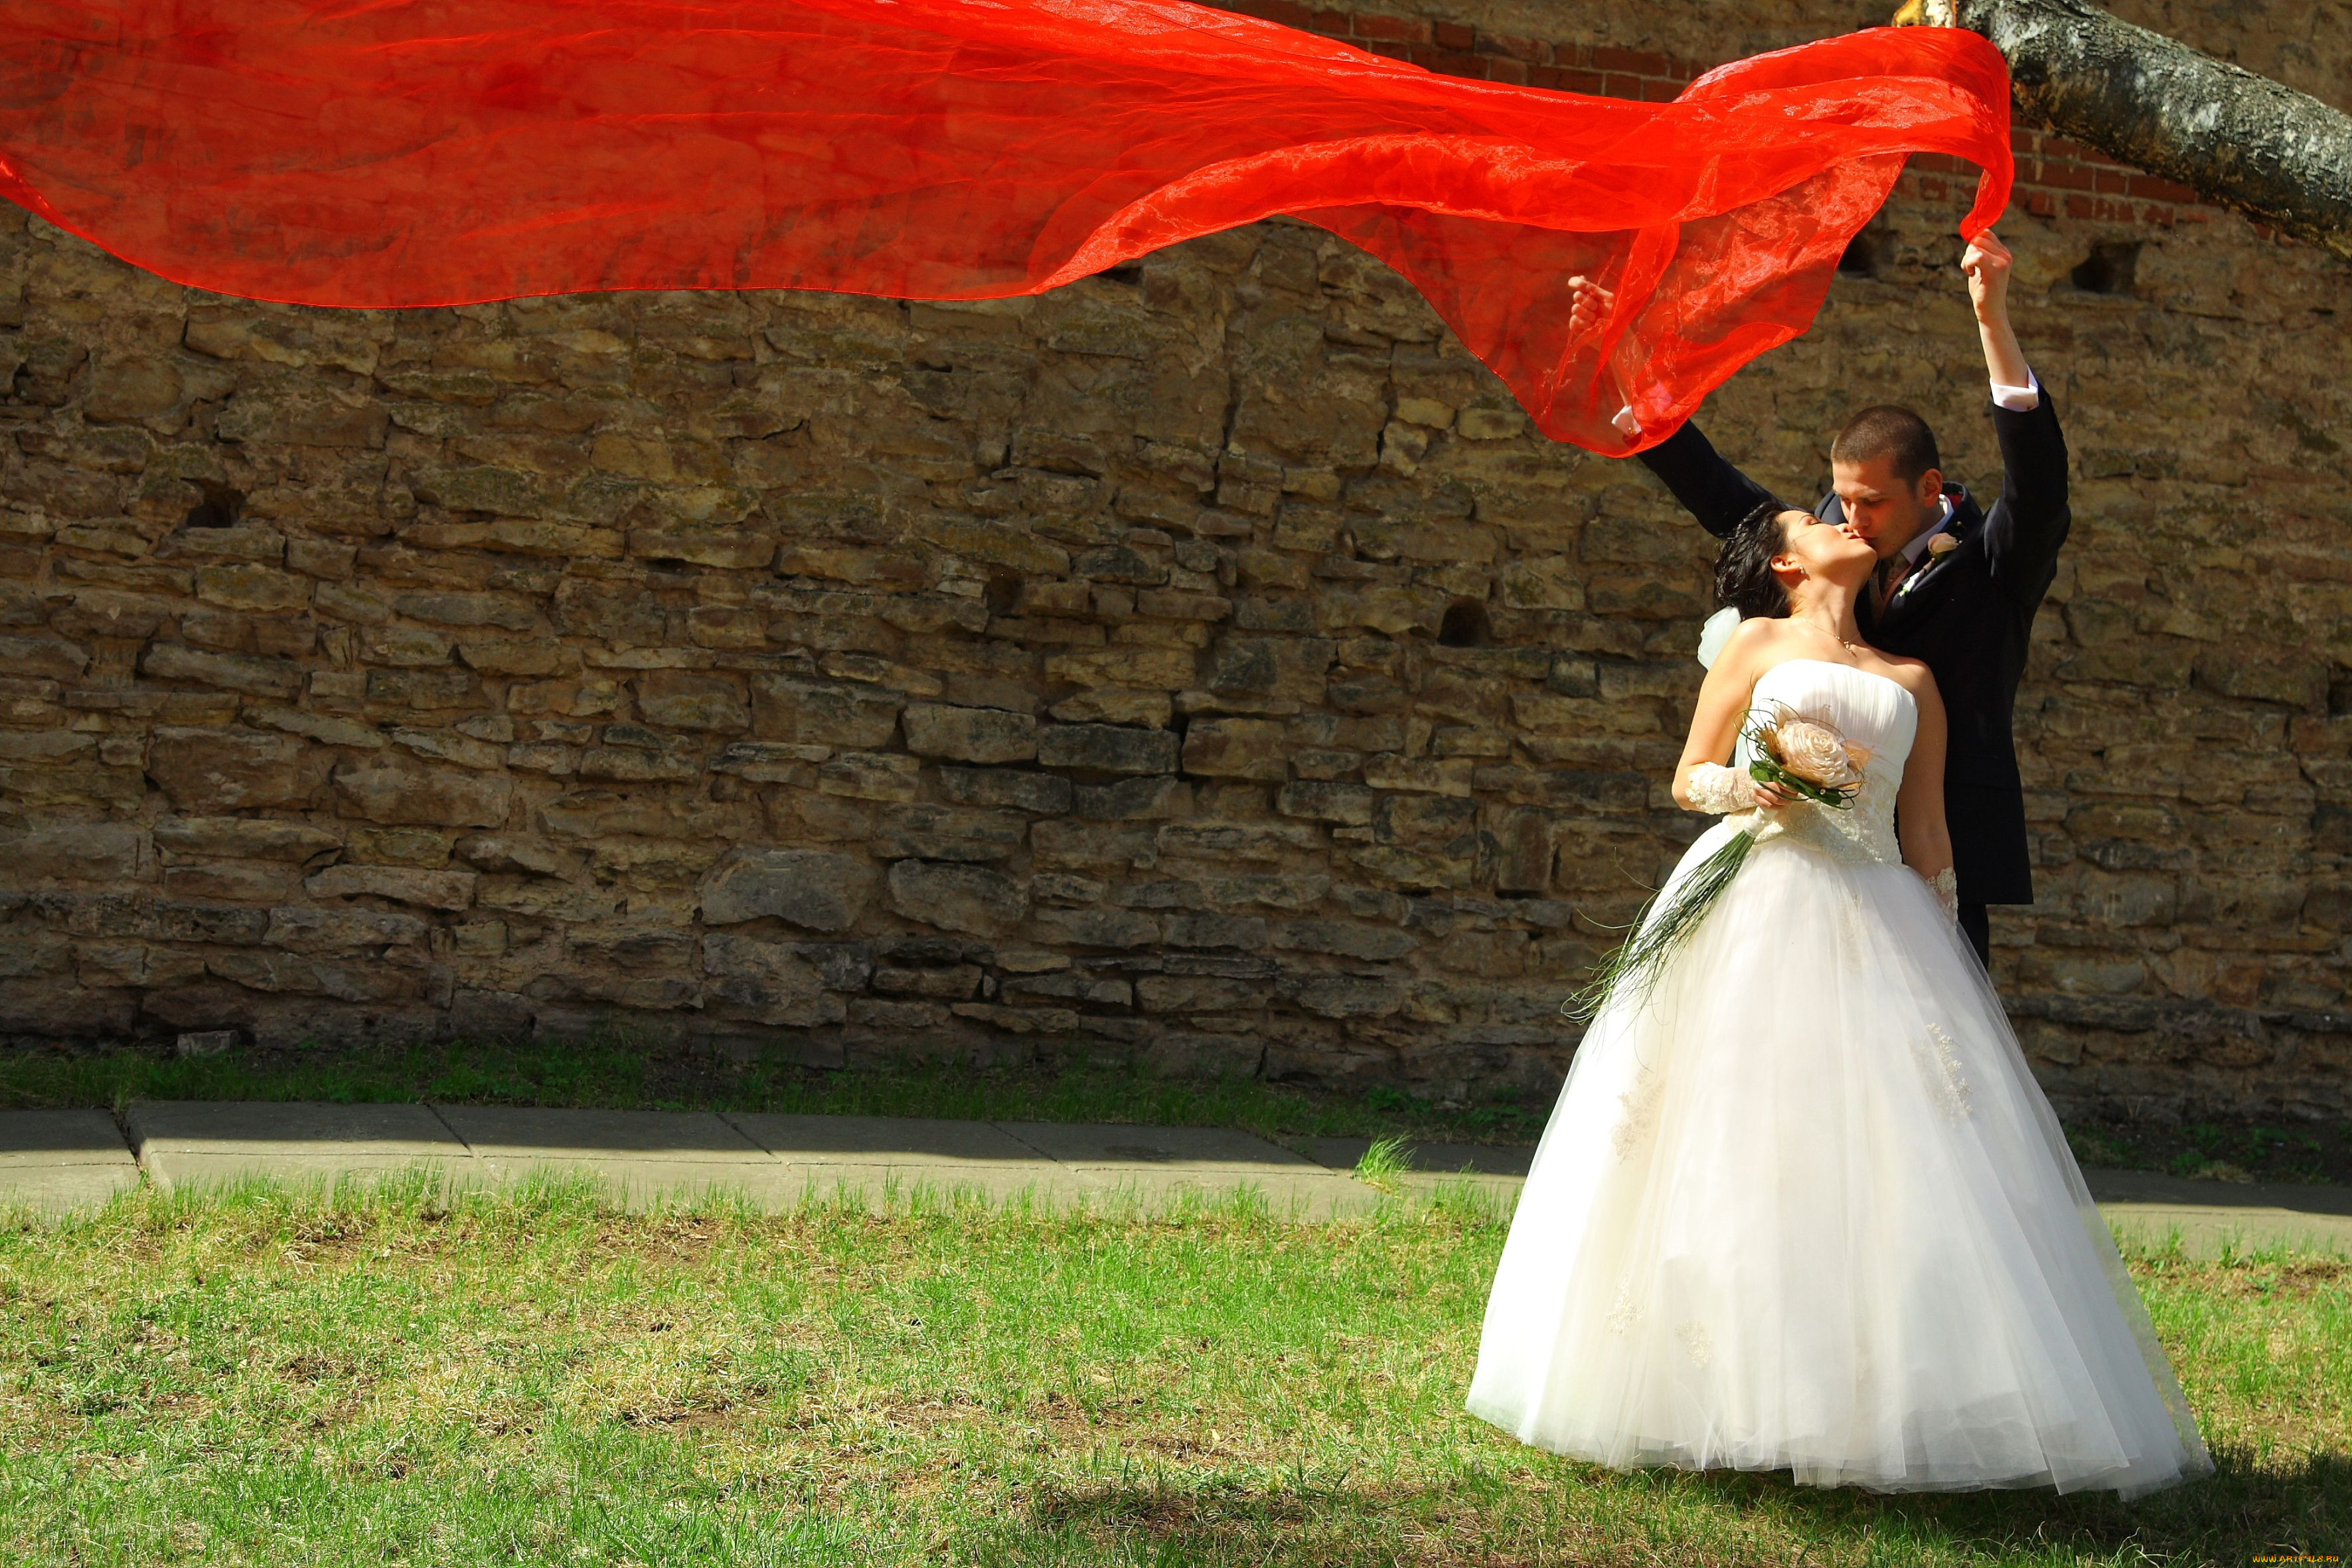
(1204, 667)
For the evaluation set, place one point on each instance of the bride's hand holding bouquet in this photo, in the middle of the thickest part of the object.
(1801, 758)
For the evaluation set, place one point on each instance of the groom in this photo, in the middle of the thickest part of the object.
(1956, 586)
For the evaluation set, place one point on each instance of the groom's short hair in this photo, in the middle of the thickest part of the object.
(1887, 431)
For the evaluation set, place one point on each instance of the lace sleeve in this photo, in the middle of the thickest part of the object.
(1719, 790)
(1946, 885)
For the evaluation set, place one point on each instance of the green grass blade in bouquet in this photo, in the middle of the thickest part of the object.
(1661, 932)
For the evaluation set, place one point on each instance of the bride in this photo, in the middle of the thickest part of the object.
(1801, 1206)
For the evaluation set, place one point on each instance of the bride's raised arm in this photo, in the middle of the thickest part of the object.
(1919, 803)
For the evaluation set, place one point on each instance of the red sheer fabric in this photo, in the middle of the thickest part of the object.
(402, 152)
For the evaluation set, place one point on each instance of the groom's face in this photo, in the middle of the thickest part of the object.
(1883, 508)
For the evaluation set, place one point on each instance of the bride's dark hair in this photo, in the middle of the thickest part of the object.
(1743, 568)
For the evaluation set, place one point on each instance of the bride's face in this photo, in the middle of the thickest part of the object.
(1812, 549)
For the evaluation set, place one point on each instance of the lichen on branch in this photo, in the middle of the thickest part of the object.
(2235, 138)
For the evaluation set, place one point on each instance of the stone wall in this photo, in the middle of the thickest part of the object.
(1203, 666)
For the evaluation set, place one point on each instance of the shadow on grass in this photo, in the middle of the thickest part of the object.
(1302, 1522)
(2242, 1511)
(2244, 1508)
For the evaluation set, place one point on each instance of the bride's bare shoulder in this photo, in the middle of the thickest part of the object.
(1912, 674)
(1755, 636)
(1755, 646)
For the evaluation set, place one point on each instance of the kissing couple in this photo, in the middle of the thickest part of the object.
(1800, 1205)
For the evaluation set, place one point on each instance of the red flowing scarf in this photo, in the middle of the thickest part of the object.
(406, 152)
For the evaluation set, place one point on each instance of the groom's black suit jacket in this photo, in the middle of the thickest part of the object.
(1968, 614)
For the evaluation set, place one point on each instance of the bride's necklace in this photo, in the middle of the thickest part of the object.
(1852, 647)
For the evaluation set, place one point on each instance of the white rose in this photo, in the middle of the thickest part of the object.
(1815, 753)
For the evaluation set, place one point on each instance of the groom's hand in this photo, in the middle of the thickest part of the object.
(1589, 305)
(1987, 263)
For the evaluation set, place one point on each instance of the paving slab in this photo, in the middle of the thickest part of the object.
(2154, 1187)
(2148, 1207)
(892, 1141)
(508, 1132)
(58, 1190)
(59, 1158)
(1153, 1167)
(53, 1161)
(1117, 1146)
(869, 1157)
(31, 1137)
(639, 1158)
(183, 1142)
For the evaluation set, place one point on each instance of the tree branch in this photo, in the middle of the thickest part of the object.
(2233, 137)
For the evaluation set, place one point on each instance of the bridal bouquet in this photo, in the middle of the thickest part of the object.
(1805, 757)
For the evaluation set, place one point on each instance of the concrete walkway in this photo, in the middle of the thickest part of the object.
(58, 1161)
(641, 1157)
(53, 1161)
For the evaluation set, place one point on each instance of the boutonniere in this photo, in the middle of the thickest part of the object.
(1943, 544)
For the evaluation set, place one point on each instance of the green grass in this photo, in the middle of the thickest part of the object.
(1383, 1162)
(396, 1375)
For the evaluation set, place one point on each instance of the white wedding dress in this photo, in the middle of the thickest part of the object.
(1805, 1208)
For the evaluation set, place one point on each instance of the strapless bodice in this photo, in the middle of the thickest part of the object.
(1868, 709)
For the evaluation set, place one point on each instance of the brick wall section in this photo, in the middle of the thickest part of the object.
(2059, 178)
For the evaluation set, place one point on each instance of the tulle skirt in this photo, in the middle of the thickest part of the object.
(1805, 1209)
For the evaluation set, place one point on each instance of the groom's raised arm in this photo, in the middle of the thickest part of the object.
(2024, 532)
(1708, 484)
(2025, 529)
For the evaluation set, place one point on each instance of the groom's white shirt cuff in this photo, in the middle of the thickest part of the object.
(2016, 399)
